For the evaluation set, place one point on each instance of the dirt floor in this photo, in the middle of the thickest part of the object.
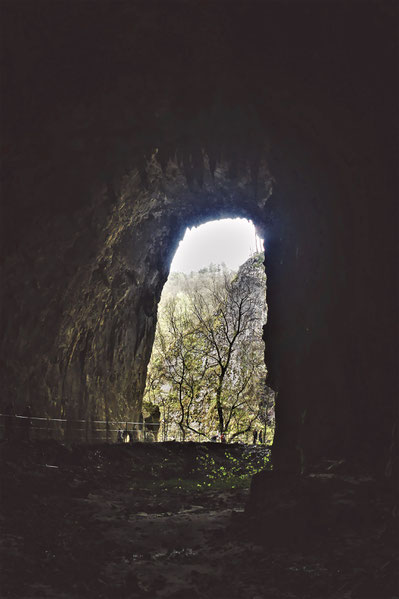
(161, 520)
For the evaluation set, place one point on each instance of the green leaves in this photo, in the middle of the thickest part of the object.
(207, 370)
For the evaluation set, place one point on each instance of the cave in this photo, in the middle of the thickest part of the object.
(123, 123)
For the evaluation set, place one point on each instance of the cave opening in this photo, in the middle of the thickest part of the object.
(207, 376)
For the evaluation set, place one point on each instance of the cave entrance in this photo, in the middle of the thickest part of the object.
(206, 378)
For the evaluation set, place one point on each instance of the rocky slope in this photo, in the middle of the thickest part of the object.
(168, 521)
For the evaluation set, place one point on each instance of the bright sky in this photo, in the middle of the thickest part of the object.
(229, 240)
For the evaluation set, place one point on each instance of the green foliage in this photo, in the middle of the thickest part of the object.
(207, 369)
(229, 472)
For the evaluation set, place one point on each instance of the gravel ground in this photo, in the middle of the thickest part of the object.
(159, 520)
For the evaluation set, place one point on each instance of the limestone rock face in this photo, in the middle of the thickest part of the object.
(119, 129)
(252, 275)
(90, 311)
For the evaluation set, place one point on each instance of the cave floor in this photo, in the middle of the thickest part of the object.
(155, 520)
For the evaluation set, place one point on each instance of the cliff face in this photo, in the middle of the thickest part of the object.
(119, 132)
(251, 274)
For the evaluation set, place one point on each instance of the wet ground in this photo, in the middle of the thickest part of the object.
(159, 521)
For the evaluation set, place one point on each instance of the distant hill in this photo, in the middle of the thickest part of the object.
(179, 282)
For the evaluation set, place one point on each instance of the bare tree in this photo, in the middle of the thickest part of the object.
(207, 365)
(226, 312)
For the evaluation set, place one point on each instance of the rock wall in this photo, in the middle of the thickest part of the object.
(119, 131)
(91, 285)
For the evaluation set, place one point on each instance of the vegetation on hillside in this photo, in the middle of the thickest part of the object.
(207, 372)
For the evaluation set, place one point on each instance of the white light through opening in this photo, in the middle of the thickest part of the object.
(229, 241)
